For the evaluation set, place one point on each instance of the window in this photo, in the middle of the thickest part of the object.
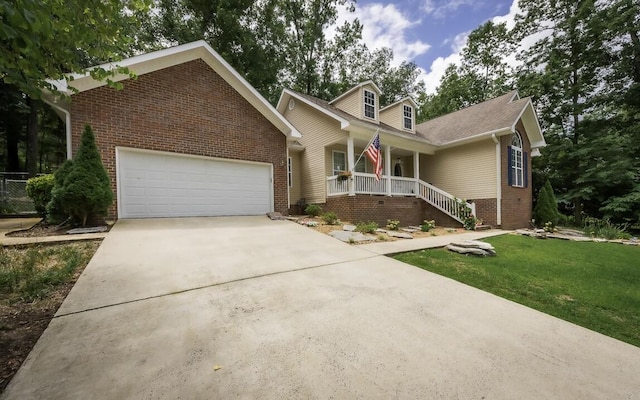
(339, 162)
(289, 172)
(408, 117)
(516, 161)
(369, 104)
(361, 166)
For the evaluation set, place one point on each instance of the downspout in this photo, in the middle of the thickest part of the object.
(67, 124)
(498, 180)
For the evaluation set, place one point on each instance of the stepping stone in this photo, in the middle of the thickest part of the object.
(380, 230)
(349, 237)
(349, 228)
(400, 235)
(410, 230)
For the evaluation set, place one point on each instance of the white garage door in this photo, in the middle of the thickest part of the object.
(154, 184)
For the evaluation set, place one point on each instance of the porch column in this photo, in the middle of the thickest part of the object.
(387, 167)
(416, 172)
(350, 165)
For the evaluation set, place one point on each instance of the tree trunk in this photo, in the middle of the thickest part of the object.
(32, 138)
(13, 137)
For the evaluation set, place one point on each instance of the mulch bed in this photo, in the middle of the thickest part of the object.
(43, 228)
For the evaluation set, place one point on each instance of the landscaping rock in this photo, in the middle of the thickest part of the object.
(95, 229)
(474, 247)
(349, 237)
(400, 235)
(410, 230)
(276, 216)
(380, 230)
(349, 228)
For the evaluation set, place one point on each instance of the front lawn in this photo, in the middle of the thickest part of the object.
(595, 285)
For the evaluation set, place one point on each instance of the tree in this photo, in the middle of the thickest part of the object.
(86, 190)
(546, 209)
(565, 64)
(484, 57)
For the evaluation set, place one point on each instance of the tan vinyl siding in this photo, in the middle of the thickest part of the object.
(295, 191)
(317, 130)
(351, 104)
(467, 172)
(393, 116)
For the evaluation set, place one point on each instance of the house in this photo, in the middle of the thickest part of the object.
(188, 137)
(481, 154)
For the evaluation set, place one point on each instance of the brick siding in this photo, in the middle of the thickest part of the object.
(517, 202)
(186, 109)
(379, 209)
(486, 209)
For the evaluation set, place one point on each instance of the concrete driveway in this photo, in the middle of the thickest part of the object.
(226, 308)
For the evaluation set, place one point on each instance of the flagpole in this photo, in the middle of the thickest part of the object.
(365, 149)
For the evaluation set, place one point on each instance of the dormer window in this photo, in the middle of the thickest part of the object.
(369, 104)
(407, 113)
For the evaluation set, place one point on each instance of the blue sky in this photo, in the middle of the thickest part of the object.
(429, 32)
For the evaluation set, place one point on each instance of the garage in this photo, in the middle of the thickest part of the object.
(159, 184)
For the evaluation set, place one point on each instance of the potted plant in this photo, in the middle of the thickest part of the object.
(344, 175)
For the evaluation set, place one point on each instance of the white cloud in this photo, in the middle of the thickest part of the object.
(439, 9)
(385, 26)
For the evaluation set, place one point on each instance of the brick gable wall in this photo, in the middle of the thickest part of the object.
(517, 203)
(187, 109)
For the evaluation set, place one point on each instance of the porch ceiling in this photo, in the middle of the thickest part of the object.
(399, 146)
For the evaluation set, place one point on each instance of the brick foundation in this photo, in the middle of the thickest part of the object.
(187, 109)
(486, 209)
(379, 209)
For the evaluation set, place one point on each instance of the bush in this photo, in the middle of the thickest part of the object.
(330, 218)
(605, 229)
(366, 227)
(39, 190)
(86, 190)
(313, 210)
(427, 225)
(546, 209)
(393, 224)
(55, 210)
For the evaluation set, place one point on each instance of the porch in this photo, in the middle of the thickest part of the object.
(363, 183)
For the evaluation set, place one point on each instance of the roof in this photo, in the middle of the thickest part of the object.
(346, 119)
(495, 116)
(157, 60)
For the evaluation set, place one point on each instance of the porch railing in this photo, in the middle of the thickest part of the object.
(438, 198)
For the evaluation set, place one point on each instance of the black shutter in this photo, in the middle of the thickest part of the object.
(509, 169)
(525, 168)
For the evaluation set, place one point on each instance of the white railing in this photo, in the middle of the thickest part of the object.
(438, 198)
(403, 186)
(336, 186)
(445, 202)
(367, 184)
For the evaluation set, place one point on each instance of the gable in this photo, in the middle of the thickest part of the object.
(162, 59)
(394, 114)
(353, 101)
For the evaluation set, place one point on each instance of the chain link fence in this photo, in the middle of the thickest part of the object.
(13, 194)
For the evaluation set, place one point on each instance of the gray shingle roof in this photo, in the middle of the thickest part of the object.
(488, 116)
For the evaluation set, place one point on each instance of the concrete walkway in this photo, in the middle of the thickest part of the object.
(226, 308)
(14, 224)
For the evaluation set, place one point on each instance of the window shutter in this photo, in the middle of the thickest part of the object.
(525, 168)
(509, 169)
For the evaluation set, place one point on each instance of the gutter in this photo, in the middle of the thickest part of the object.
(498, 180)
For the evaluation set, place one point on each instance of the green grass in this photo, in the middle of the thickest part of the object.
(30, 274)
(595, 285)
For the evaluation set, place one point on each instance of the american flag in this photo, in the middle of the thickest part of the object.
(375, 155)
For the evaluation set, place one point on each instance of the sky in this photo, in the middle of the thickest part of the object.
(430, 33)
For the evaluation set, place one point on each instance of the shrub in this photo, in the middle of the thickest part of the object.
(393, 224)
(55, 209)
(86, 190)
(39, 190)
(427, 225)
(605, 229)
(330, 218)
(470, 222)
(546, 209)
(313, 210)
(366, 227)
